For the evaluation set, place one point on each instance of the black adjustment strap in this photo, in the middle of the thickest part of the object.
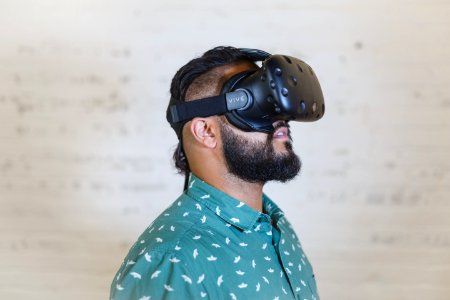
(255, 54)
(207, 107)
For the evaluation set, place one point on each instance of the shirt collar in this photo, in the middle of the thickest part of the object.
(270, 208)
(230, 209)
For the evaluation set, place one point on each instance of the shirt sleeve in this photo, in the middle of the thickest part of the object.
(156, 276)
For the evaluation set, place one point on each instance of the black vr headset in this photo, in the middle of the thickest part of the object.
(283, 88)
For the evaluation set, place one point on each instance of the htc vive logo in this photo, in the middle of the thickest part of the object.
(237, 100)
(233, 100)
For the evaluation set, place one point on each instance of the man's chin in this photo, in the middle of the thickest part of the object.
(282, 146)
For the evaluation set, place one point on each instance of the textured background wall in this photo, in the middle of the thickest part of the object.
(85, 150)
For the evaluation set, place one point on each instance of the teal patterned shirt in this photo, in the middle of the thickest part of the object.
(208, 245)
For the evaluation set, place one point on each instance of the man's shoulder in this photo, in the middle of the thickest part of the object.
(177, 231)
(171, 241)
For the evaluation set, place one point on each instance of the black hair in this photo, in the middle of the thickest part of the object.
(186, 75)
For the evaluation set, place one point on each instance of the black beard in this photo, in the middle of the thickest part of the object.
(257, 162)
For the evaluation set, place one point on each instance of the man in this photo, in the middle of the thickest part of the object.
(222, 238)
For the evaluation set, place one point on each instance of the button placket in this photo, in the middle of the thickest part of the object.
(278, 237)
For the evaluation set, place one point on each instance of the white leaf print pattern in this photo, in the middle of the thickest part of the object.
(211, 258)
(205, 196)
(233, 296)
(155, 274)
(195, 253)
(198, 206)
(203, 294)
(148, 257)
(136, 275)
(174, 260)
(217, 210)
(235, 220)
(187, 279)
(145, 298)
(168, 288)
(203, 219)
(258, 287)
(201, 278)
(242, 285)
(237, 259)
(240, 204)
(130, 262)
(119, 287)
(219, 280)
(239, 272)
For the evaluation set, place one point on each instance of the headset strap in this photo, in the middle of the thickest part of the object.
(211, 106)
(255, 54)
(206, 107)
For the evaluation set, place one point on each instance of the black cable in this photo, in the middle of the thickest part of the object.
(186, 180)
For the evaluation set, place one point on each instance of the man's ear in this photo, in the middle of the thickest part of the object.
(204, 131)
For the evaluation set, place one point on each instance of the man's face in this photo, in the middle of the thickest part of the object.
(259, 157)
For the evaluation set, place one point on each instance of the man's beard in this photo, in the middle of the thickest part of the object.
(257, 162)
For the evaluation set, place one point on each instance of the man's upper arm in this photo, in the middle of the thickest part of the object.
(156, 276)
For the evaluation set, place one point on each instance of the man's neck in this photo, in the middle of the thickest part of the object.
(246, 192)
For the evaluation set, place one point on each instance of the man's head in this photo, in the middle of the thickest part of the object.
(213, 142)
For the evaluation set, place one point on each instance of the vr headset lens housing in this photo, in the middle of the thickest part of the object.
(284, 88)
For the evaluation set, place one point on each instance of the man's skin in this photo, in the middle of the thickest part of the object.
(202, 144)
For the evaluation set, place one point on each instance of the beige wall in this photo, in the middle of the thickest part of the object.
(85, 150)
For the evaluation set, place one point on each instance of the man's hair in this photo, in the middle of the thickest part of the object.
(190, 77)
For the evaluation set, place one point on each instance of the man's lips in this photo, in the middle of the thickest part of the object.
(281, 133)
